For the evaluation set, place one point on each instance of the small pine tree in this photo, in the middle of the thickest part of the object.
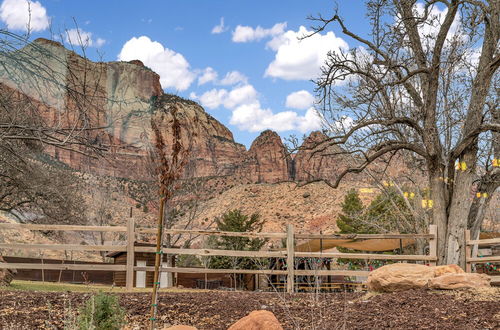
(351, 218)
(236, 221)
(101, 312)
(386, 212)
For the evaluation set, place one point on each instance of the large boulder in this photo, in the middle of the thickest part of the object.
(460, 281)
(399, 277)
(447, 269)
(258, 320)
(6, 275)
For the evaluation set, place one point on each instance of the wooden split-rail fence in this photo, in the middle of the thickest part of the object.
(471, 253)
(289, 253)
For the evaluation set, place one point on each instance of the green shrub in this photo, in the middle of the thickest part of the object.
(101, 312)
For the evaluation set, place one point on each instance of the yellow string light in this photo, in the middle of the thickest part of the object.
(461, 166)
(427, 203)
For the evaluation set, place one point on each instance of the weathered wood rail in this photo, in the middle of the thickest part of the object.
(289, 253)
(470, 258)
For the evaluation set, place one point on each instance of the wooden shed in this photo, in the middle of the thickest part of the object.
(141, 259)
(189, 280)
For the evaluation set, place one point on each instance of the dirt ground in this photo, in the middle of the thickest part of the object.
(417, 309)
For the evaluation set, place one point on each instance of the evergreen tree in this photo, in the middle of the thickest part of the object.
(386, 213)
(351, 218)
(236, 221)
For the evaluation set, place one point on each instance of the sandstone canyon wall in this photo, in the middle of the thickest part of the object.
(124, 97)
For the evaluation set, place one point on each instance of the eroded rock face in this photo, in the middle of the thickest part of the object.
(460, 281)
(267, 159)
(124, 98)
(399, 277)
(258, 320)
(314, 160)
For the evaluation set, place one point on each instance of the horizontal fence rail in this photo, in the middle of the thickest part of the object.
(64, 247)
(367, 256)
(472, 258)
(362, 236)
(289, 252)
(145, 230)
(110, 267)
(213, 252)
(62, 227)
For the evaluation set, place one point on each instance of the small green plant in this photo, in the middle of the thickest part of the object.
(101, 312)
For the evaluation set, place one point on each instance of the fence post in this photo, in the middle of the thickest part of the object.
(290, 262)
(130, 254)
(468, 266)
(433, 243)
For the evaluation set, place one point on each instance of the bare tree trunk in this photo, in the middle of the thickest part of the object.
(439, 216)
(457, 220)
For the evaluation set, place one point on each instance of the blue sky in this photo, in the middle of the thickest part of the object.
(251, 72)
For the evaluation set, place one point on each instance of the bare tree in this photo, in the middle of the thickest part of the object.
(423, 84)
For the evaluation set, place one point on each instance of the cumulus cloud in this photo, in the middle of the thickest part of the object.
(229, 99)
(79, 37)
(209, 74)
(173, 68)
(24, 15)
(301, 59)
(213, 98)
(249, 115)
(233, 78)
(299, 100)
(248, 34)
(219, 28)
(252, 117)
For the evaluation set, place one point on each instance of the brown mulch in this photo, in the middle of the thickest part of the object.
(415, 309)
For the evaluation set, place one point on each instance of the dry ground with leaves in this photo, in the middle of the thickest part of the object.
(415, 309)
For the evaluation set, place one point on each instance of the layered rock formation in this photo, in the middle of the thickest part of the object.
(122, 99)
(114, 105)
(316, 159)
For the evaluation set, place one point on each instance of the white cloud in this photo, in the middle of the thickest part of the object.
(219, 28)
(233, 78)
(301, 59)
(247, 33)
(21, 14)
(310, 122)
(79, 37)
(251, 117)
(100, 42)
(240, 95)
(209, 74)
(300, 100)
(248, 114)
(173, 68)
(213, 98)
